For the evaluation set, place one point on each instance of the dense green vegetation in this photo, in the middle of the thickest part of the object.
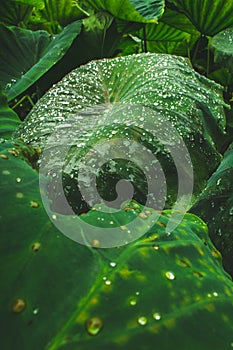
(76, 75)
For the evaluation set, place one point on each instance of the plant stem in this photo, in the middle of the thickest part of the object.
(144, 39)
(82, 10)
(196, 49)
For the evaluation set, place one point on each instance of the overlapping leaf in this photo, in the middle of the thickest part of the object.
(222, 43)
(9, 120)
(27, 55)
(215, 206)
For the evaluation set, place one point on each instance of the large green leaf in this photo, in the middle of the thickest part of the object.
(208, 16)
(222, 43)
(215, 206)
(130, 10)
(9, 120)
(170, 91)
(27, 55)
(162, 289)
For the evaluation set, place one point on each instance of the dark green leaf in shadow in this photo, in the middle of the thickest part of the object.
(208, 16)
(215, 206)
(99, 36)
(27, 55)
(222, 44)
(26, 235)
(9, 120)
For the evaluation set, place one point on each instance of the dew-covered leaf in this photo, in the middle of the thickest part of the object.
(57, 294)
(28, 55)
(215, 206)
(222, 43)
(130, 10)
(9, 120)
(208, 16)
(140, 98)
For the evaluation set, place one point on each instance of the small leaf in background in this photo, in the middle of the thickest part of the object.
(222, 44)
(165, 39)
(208, 16)
(215, 206)
(130, 10)
(99, 36)
(14, 13)
(56, 14)
(9, 120)
(28, 55)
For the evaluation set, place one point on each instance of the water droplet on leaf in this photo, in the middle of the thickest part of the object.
(156, 316)
(170, 275)
(142, 320)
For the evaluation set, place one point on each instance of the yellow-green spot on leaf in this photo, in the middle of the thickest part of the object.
(133, 301)
(14, 152)
(18, 305)
(94, 325)
(36, 246)
(34, 204)
(197, 274)
(4, 156)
